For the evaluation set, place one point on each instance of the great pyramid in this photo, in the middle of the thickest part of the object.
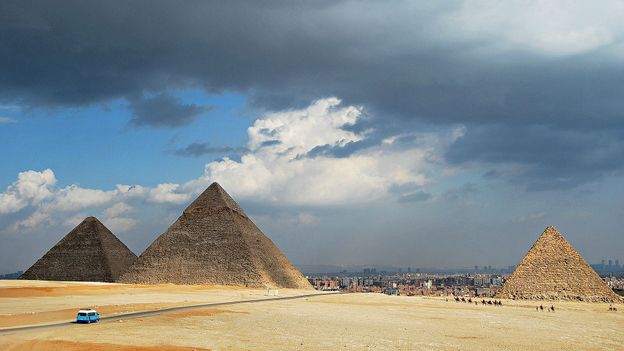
(554, 270)
(90, 252)
(214, 242)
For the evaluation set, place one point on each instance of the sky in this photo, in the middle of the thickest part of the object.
(426, 134)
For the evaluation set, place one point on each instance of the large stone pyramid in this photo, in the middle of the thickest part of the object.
(90, 252)
(554, 270)
(214, 242)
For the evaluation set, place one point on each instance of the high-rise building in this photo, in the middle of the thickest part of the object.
(617, 264)
(610, 263)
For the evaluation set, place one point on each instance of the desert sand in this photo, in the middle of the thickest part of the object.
(345, 321)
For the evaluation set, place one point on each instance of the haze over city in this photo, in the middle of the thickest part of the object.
(439, 135)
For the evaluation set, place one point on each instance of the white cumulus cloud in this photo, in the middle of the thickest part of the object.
(44, 202)
(119, 224)
(73, 197)
(31, 187)
(118, 209)
(283, 167)
(277, 169)
(167, 193)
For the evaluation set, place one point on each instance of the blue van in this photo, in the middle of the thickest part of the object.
(87, 316)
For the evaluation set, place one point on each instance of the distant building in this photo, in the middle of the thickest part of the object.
(482, 280)
(392, 291)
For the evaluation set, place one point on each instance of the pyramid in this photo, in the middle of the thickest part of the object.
(554, 270)
(214, 242)
(90, 252)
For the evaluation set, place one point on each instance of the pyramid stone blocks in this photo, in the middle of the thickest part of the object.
(90, 252)
(214, 242)
(554, 270)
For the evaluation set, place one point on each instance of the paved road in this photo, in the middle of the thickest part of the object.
(150, 313)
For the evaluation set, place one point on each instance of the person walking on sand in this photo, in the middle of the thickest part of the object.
(541, 307)
(552, 307)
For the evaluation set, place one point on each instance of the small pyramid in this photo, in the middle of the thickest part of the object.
(90, 252)
(554, 270)
(214, 242)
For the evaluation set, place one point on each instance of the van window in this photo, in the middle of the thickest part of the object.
(82, 314)
(91, 313)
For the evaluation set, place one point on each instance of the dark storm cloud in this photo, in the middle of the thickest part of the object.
(400, 60)
(165, 111)
(200, 149)
(551, 158)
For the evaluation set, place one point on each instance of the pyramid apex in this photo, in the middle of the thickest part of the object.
(216, 187)
(214, 197)
(551, 230)
(93, 222)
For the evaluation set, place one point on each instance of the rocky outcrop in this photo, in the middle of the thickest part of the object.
(554, 270)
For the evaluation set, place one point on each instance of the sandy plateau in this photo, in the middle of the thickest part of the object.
(346, 321)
